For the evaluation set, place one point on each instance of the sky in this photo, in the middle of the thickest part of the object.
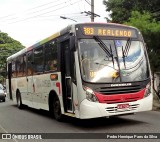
(30, 21)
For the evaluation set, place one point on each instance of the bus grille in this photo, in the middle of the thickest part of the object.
(116, 110)
(118, 90)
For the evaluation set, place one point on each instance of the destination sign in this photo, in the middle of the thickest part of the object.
(109, 31)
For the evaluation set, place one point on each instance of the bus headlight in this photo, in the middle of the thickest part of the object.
(90, 95)
(148, 90)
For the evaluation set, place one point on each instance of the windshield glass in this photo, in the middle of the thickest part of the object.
(97, 66)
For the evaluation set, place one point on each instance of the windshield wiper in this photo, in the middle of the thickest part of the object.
(125, 51)
(112, 55)
(105, 48)
(127, 47)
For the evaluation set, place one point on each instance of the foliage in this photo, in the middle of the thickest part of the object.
(121, 9)
(8, 46)
(151, 33)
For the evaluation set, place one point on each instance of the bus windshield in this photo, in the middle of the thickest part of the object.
(125, 63)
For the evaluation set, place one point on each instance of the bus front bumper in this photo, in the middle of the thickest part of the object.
(94, 109)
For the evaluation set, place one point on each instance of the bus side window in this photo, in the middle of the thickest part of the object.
(51, 65)
(51, 56)
(24, 65)
(19, 63)
(14, 69)
(29, 63)
(38, 60)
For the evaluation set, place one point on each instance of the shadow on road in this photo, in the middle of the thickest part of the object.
(103, 122)
(114, 121)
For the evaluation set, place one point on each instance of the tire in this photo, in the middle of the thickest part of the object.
(4, 100)
(57, 109)
(19, 101)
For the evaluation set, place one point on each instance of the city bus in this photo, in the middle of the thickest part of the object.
(87, 70)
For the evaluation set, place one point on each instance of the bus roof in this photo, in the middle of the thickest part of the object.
(70, 28)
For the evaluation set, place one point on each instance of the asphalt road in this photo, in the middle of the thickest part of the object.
(28, 120)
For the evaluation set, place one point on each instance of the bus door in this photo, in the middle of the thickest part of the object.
(9, 80)
(29, 78)
(66, 77)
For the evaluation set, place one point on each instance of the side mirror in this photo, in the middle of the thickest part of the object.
(72, 43)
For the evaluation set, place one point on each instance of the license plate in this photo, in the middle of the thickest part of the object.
(122, 106)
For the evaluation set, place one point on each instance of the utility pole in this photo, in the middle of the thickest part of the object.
(91, 13)
(92, 10)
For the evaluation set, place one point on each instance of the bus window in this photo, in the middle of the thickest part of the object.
(38, 60)
(20, 68)
(51, 56)
(29, 63)
(24, 65)
(13, 69)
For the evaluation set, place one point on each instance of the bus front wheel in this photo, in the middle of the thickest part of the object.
(57, 109)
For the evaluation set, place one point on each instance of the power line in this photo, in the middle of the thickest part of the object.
(43, 5)
(54, 18)
(79, 6)
(50, 7)
(44, 13)
(88, 2)
(29, 9)
(41, 9)
(84, 6)
(78, 13)
(50, 16)
(91, 13)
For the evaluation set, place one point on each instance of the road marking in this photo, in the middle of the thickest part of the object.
(3, 129)
(7, 132)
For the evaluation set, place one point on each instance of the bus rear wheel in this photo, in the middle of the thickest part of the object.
(19, 101)
(57, 109)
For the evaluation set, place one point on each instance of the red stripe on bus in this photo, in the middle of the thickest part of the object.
(118, 98)
(59, 87)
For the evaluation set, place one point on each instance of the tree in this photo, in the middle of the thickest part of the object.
(151, 32)
(121, 9)
(8, 46)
